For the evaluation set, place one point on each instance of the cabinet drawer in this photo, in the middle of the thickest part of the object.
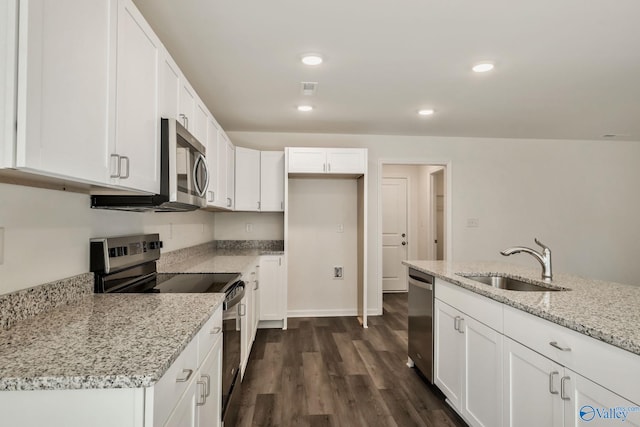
(477, 306)
(209, 334)
(607, 365)
(167, 391)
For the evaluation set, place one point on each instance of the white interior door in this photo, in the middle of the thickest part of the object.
(394, 234)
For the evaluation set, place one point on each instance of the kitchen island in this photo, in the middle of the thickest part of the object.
(531, 358)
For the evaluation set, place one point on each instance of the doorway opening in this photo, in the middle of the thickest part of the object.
(413, 218)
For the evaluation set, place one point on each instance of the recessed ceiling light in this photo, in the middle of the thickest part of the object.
(305, 108)
(312, 59)
(483, 67)
(426, 112)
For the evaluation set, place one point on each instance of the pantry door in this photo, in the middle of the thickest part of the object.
(394, 234)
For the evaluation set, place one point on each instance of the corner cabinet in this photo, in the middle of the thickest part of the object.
(327, 160)
(188, 394)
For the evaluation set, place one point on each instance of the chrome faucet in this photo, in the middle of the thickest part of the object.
(543, 258)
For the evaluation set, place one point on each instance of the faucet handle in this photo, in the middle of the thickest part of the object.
(542, 245)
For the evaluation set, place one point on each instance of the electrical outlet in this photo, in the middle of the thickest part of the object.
(248, 227)
(1, 245)
(340, 228)
(337, 272)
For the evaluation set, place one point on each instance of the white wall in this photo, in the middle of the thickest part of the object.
(47, 233)
(316, 208)
(233, 226)
(579, 197)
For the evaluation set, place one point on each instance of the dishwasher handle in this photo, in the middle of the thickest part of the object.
(420, 284)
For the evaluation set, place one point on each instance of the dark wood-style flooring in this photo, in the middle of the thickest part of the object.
(332, 372)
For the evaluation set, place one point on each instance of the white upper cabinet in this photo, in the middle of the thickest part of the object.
(212, 161)
(8, 70)
(247, 179)
(137, 145)
(272, 181)
(327, 160)
(199, 129)
(169, 87)
(231, 169)
(65, 87)
(187, 110)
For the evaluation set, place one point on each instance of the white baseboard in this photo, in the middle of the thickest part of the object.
(331, 312)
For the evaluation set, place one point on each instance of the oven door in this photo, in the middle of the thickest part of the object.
(231, 324)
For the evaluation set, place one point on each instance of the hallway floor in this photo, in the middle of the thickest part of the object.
(331, 372)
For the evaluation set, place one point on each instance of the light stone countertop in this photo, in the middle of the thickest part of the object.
(607, 311)
(214, 261)
(102, 341)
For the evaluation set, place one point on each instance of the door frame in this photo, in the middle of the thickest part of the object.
(448, 246)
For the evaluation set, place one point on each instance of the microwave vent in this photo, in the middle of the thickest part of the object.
(308, 88)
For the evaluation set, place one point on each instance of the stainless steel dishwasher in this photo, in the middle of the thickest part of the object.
(421, 322)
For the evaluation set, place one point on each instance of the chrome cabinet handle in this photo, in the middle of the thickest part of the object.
(456, 323)
(202, 394)
(328, 167)
(184, 119)
(185, 378)
(208, 378)
(461, 325)
(257, 285)
(215, 330)
(563, 381)
(210, 196)
(127, 170)
(258, 205)
(551, 375)
(555, 345)
(242, 310)
(118, 169)
(228, 202)
(324, 167)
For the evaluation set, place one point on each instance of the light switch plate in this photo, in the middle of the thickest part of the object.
(473, 222)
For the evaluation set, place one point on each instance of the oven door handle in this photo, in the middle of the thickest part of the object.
(235, 300)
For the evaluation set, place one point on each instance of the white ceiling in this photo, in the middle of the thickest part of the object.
(567, 69)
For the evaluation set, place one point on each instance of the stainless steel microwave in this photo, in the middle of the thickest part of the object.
(184, 176)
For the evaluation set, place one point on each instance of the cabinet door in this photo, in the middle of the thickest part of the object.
(247, 179)
(272, 181)
(221, 193)
(212, 161)
(482, 373)
(137, 120)
(65, 87)
(231, 170)
(245, 320)
(449, 352)
(209, 408)
(588, 403)
(184, 413)
(272, 304)
(307, 160)
(187, 111)
(346, 160)
(200, 122)
(531, 388)
(169, 87)
(8, 70)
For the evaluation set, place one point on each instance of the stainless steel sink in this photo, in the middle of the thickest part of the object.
(512, 284)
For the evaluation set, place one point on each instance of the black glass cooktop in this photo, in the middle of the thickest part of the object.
(194, 282)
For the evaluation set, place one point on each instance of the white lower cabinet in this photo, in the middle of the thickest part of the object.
(525, 371)
(188, 394)
(541, 392)
(273, 290)
(468, 366)
(247, 312)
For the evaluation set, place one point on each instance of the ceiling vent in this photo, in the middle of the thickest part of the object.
(308, 88)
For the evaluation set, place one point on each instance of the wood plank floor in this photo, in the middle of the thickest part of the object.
(331, 372)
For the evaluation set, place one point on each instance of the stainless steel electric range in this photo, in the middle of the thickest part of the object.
(127, 264)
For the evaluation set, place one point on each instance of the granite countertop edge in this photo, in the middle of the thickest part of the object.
(511, 298)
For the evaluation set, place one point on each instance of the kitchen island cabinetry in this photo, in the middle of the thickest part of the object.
(468, 362)
(551, 371)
